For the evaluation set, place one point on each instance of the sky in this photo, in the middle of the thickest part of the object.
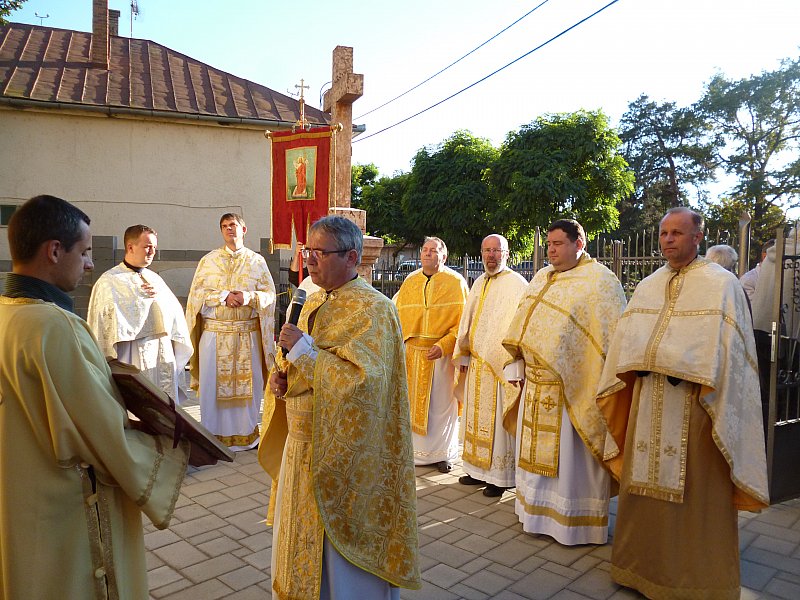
(666, 49)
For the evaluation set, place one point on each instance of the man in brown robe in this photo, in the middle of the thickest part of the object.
(679, 392)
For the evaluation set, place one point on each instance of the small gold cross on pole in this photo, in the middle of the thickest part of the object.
(302, 123)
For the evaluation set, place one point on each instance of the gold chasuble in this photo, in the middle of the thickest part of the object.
(564, 347)
(490, 306)
(338, 447)
(245, 271)
(430, 311)
(74, 479)
(693, 325)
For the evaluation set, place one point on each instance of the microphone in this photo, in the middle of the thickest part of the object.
(293, 312)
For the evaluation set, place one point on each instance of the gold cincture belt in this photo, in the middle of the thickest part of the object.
(225, 326)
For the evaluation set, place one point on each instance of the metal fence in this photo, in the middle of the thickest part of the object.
(631, 259)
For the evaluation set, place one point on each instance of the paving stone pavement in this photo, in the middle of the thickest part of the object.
(471, 547)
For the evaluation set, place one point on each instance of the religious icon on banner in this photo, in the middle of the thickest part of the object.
(301, 168)
(300, 181)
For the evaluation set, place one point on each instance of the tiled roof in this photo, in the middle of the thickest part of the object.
(54, 65)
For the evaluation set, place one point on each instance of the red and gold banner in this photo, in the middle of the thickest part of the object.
(301, 182)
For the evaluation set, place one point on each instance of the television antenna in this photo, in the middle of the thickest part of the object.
(135, 12)
(42, 17)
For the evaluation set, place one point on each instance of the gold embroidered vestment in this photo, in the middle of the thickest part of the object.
(693, 325)
(430, 310)
(221, 270)
(343, 430)
(490, 306)
(562, 329)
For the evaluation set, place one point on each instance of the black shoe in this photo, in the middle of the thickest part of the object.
(492, 491)
(468, 480)
(444, 466)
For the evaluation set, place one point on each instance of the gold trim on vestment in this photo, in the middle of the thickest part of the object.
(93, 529)
(239, 440)
(234, 357)
(560, 518)
(104, 501)
(659, 442)
(597, 346)
(692, 325)
(298, 563)
(541, 431)
(478, 440)
(151, 480)
(229, 326)
(419, 371)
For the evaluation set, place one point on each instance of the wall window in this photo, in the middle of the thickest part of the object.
(6, 210)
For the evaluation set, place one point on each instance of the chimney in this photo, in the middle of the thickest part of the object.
(113, 22)
(99, 51)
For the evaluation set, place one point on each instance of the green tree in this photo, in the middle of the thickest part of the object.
(668, 151)
(724, 216)
(756, 121)
(361, 176)
(7, 7)
(561, 165)
(383, 203)
(448, 194)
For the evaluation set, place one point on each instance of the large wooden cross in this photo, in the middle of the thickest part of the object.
(346, 88)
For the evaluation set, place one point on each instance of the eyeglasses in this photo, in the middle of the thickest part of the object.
(492, 251)
(317, 254)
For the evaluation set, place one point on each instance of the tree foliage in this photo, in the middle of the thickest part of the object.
(562, 165)
(7, 7)
(383, 201)
(724, 215)
(756, 121)
(448, 195)
(361, 176)
(668, 151)
(574, 165)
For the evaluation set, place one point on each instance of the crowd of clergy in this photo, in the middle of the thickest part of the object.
(571, 395)
(557, 389)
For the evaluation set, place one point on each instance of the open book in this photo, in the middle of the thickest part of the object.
(159, 414)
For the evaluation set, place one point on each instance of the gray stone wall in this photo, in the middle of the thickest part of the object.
(176, 267)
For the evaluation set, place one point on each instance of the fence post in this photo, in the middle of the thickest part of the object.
(537, 251)
(744, 243)
(616, 258)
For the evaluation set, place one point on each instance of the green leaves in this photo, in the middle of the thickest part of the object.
(464, 189)
(7, 7)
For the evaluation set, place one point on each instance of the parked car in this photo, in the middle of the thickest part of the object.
(405, 268)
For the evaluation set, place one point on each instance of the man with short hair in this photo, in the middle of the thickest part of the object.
(488, 455)
(430, 302)
(679, 392)
(230, 313)
(337, 437)
(74, 477)
(138, 320)
(561, 330)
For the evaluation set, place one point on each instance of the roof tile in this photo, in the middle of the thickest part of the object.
(54, 65)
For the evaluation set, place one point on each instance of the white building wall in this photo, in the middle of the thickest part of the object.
(176, 177)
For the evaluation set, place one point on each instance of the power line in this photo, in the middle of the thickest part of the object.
(555, 37)
(455, 62)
